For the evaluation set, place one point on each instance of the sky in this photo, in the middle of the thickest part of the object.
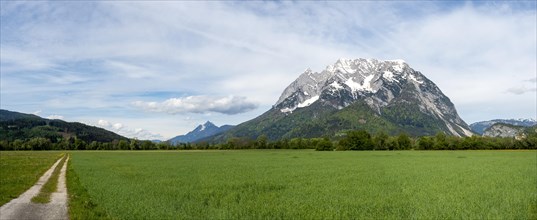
(157, 69)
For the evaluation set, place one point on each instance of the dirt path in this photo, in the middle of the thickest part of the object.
(23, 208)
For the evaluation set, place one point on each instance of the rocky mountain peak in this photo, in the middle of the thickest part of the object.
(205, 126)
(358, 77)
(201, 131)
(379, 83)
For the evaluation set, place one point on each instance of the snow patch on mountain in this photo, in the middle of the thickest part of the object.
(308, 102)
(389, 76)
(413, 78)
(336, 85)
(399, 65)
(287, 110)
(364, 86)
(353, 85)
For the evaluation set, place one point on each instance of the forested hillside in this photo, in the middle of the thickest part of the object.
(14, 125)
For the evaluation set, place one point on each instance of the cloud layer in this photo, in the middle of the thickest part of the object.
(526, 86)
(55, 117)
(229, 105)
(97, 59)
(120, 129)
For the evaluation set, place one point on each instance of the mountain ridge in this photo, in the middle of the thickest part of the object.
(386, 96)
(376, 82)
(504, 130)
(201, 131)
(481, 126)
(16, 125)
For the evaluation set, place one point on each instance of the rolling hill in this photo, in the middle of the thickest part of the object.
(15, 125)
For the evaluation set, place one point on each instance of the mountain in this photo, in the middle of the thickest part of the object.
(200, 132)
(480, 127)
(503, 130)
(12, 116)
(369, 94)
(15, 125)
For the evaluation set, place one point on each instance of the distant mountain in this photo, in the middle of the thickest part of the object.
(503, 130)
(15, 125)
(200, 132)
(480, 127)
(369, 94)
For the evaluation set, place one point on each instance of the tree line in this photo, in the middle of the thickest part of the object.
(353, 140)
(41, 143)
(362, 140)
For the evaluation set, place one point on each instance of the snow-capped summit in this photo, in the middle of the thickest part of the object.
(380, 83)
(359, 76)
(207, 124)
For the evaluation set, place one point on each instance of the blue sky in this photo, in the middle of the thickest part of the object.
(153, 70)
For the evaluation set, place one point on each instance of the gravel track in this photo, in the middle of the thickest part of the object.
(23, 208)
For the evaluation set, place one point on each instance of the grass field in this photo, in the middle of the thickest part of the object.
(289, 184)
(19, 170)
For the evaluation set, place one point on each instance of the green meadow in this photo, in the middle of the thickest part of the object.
(20, 170)
(303, 184)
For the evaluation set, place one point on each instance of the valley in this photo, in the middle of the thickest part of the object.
(268, 110)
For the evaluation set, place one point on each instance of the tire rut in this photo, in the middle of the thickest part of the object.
(23, 208)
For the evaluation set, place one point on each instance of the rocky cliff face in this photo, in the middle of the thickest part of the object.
(378, 83)
(480, 127)
(503, 130)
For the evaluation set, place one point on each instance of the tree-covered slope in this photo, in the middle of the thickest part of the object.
(320, 120)
(15, 125)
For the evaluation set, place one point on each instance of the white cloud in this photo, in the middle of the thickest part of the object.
(129, 70)
(85, 58)
(103, 123)
(521, 90)
(527, 86)
(16, 60)
(120, 129)
(117, 126)
(229, 105)
(55, 117)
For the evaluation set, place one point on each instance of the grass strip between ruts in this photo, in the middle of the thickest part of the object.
(50, 186)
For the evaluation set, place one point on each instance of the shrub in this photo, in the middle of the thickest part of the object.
(324, 145)
(357, 140)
